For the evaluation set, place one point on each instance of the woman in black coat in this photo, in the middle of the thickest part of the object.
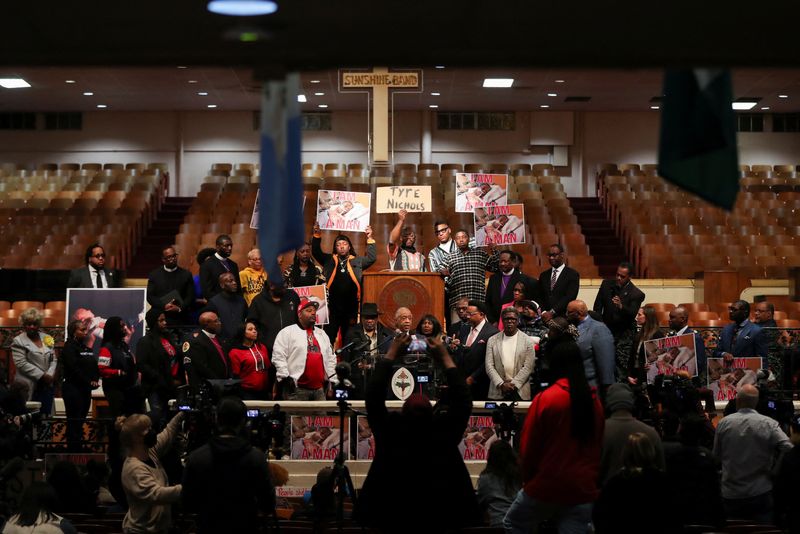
(118, 371)
(80, 374)
(159, 363)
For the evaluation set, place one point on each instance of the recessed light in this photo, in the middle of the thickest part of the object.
(439, 66)
(301, 98)
(182, 67)
(212, 106)
(655, 107)
(102, 106)
(743, 106)
(544, 106)
(765, 108)
(88, 93)
(242, 8)
(783, 96)
(559, 81)
(69, 81)
(192, 81)
(13, 83)
(202, 93)
(552, 94)
(323, 106)
(433, 106)
(498, 82)
(314, 81)
(319, 94)
(436, 94)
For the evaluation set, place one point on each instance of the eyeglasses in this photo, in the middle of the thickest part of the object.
(101, 255)
(442, 230)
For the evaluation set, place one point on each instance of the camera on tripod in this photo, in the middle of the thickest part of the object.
(505, 420)
(264, 428)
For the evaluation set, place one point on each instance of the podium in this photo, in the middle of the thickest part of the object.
(422, 293)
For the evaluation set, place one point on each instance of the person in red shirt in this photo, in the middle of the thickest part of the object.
(250, 363)
(560, 444)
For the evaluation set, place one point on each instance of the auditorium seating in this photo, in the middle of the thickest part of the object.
(51, 214)
(668, 232)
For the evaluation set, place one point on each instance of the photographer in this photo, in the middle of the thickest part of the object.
(424, 438)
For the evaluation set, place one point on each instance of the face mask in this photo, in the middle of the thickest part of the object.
(150, 439)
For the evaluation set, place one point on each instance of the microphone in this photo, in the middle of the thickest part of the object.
(345, 348)
(12, 467)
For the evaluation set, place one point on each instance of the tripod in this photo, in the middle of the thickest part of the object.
(342, 483)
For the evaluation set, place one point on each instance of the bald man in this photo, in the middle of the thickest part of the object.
(748, 444)
(596, 344)
(679, 326)
(209, 360)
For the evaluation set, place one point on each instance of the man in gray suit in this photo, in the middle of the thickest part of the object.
(94, 274)
(509, 360)
(596, 344)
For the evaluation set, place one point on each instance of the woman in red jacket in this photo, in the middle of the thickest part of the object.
(250, 363)
(560, 444)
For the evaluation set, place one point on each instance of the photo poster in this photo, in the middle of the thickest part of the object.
(412, 198)
(316, 437)
(318, 294)
(343, 211)
(365, 444)
(667, 355)
(478, 190)
(254, 216)
(500, 225)
(95, 306)
(478, 437)
(725, 378)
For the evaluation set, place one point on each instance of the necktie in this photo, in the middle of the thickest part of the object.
(98, 280)
(553, 279)
(735, 336)
(471, 337)
(219, 350)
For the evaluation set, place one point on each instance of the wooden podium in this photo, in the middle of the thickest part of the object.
(422, 293)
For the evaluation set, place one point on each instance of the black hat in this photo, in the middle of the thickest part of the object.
(369, 309)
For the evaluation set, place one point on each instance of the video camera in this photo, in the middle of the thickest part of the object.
(264, 428)
(505, 420)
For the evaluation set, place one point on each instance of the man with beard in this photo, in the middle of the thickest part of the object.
(216, 265)
(404, 257)
(273, 310)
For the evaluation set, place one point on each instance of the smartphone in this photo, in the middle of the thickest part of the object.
(490, 405)
(423, 379)
(253, 413)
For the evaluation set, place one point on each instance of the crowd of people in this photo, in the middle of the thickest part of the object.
(515, 338)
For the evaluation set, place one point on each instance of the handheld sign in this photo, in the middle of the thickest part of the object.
(412, 198)
(500, 225)
(343, 211)
(478, 190)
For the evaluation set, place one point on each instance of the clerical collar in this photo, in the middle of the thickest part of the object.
(170, 270)
(220, 258)
(509, 273)
(209, 334)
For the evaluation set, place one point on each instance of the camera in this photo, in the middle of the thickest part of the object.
(505, 420)
(341, 393)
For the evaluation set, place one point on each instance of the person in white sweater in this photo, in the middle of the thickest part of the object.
(143, 477)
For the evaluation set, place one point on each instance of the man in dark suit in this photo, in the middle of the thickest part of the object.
(472, 349)
(367, 340)
(765, 315)
(679, 326)
(500, 288)
(742, 339)
(94, 274)
(461, 327)
(217, 264)
(558, 285)
(171, 288)
(208, 359)
(618, 301)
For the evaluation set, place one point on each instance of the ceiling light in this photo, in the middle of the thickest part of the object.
(559, 81)
(242, 8)
(498, 82)
(552, 94)
(783, 96)
(102, 106)
(319, 94)
(182, 67)
(655, 107)
(202, 93)
(314, 81)
(743, 106)
(433, 106)
(544, 106)
(765, 108)
(302, 98)
(192, 81)
(212, 106)
(439, 66)
(323, 106)
(88, 93)
(69, 81)
(436, 94)
(13, 83)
